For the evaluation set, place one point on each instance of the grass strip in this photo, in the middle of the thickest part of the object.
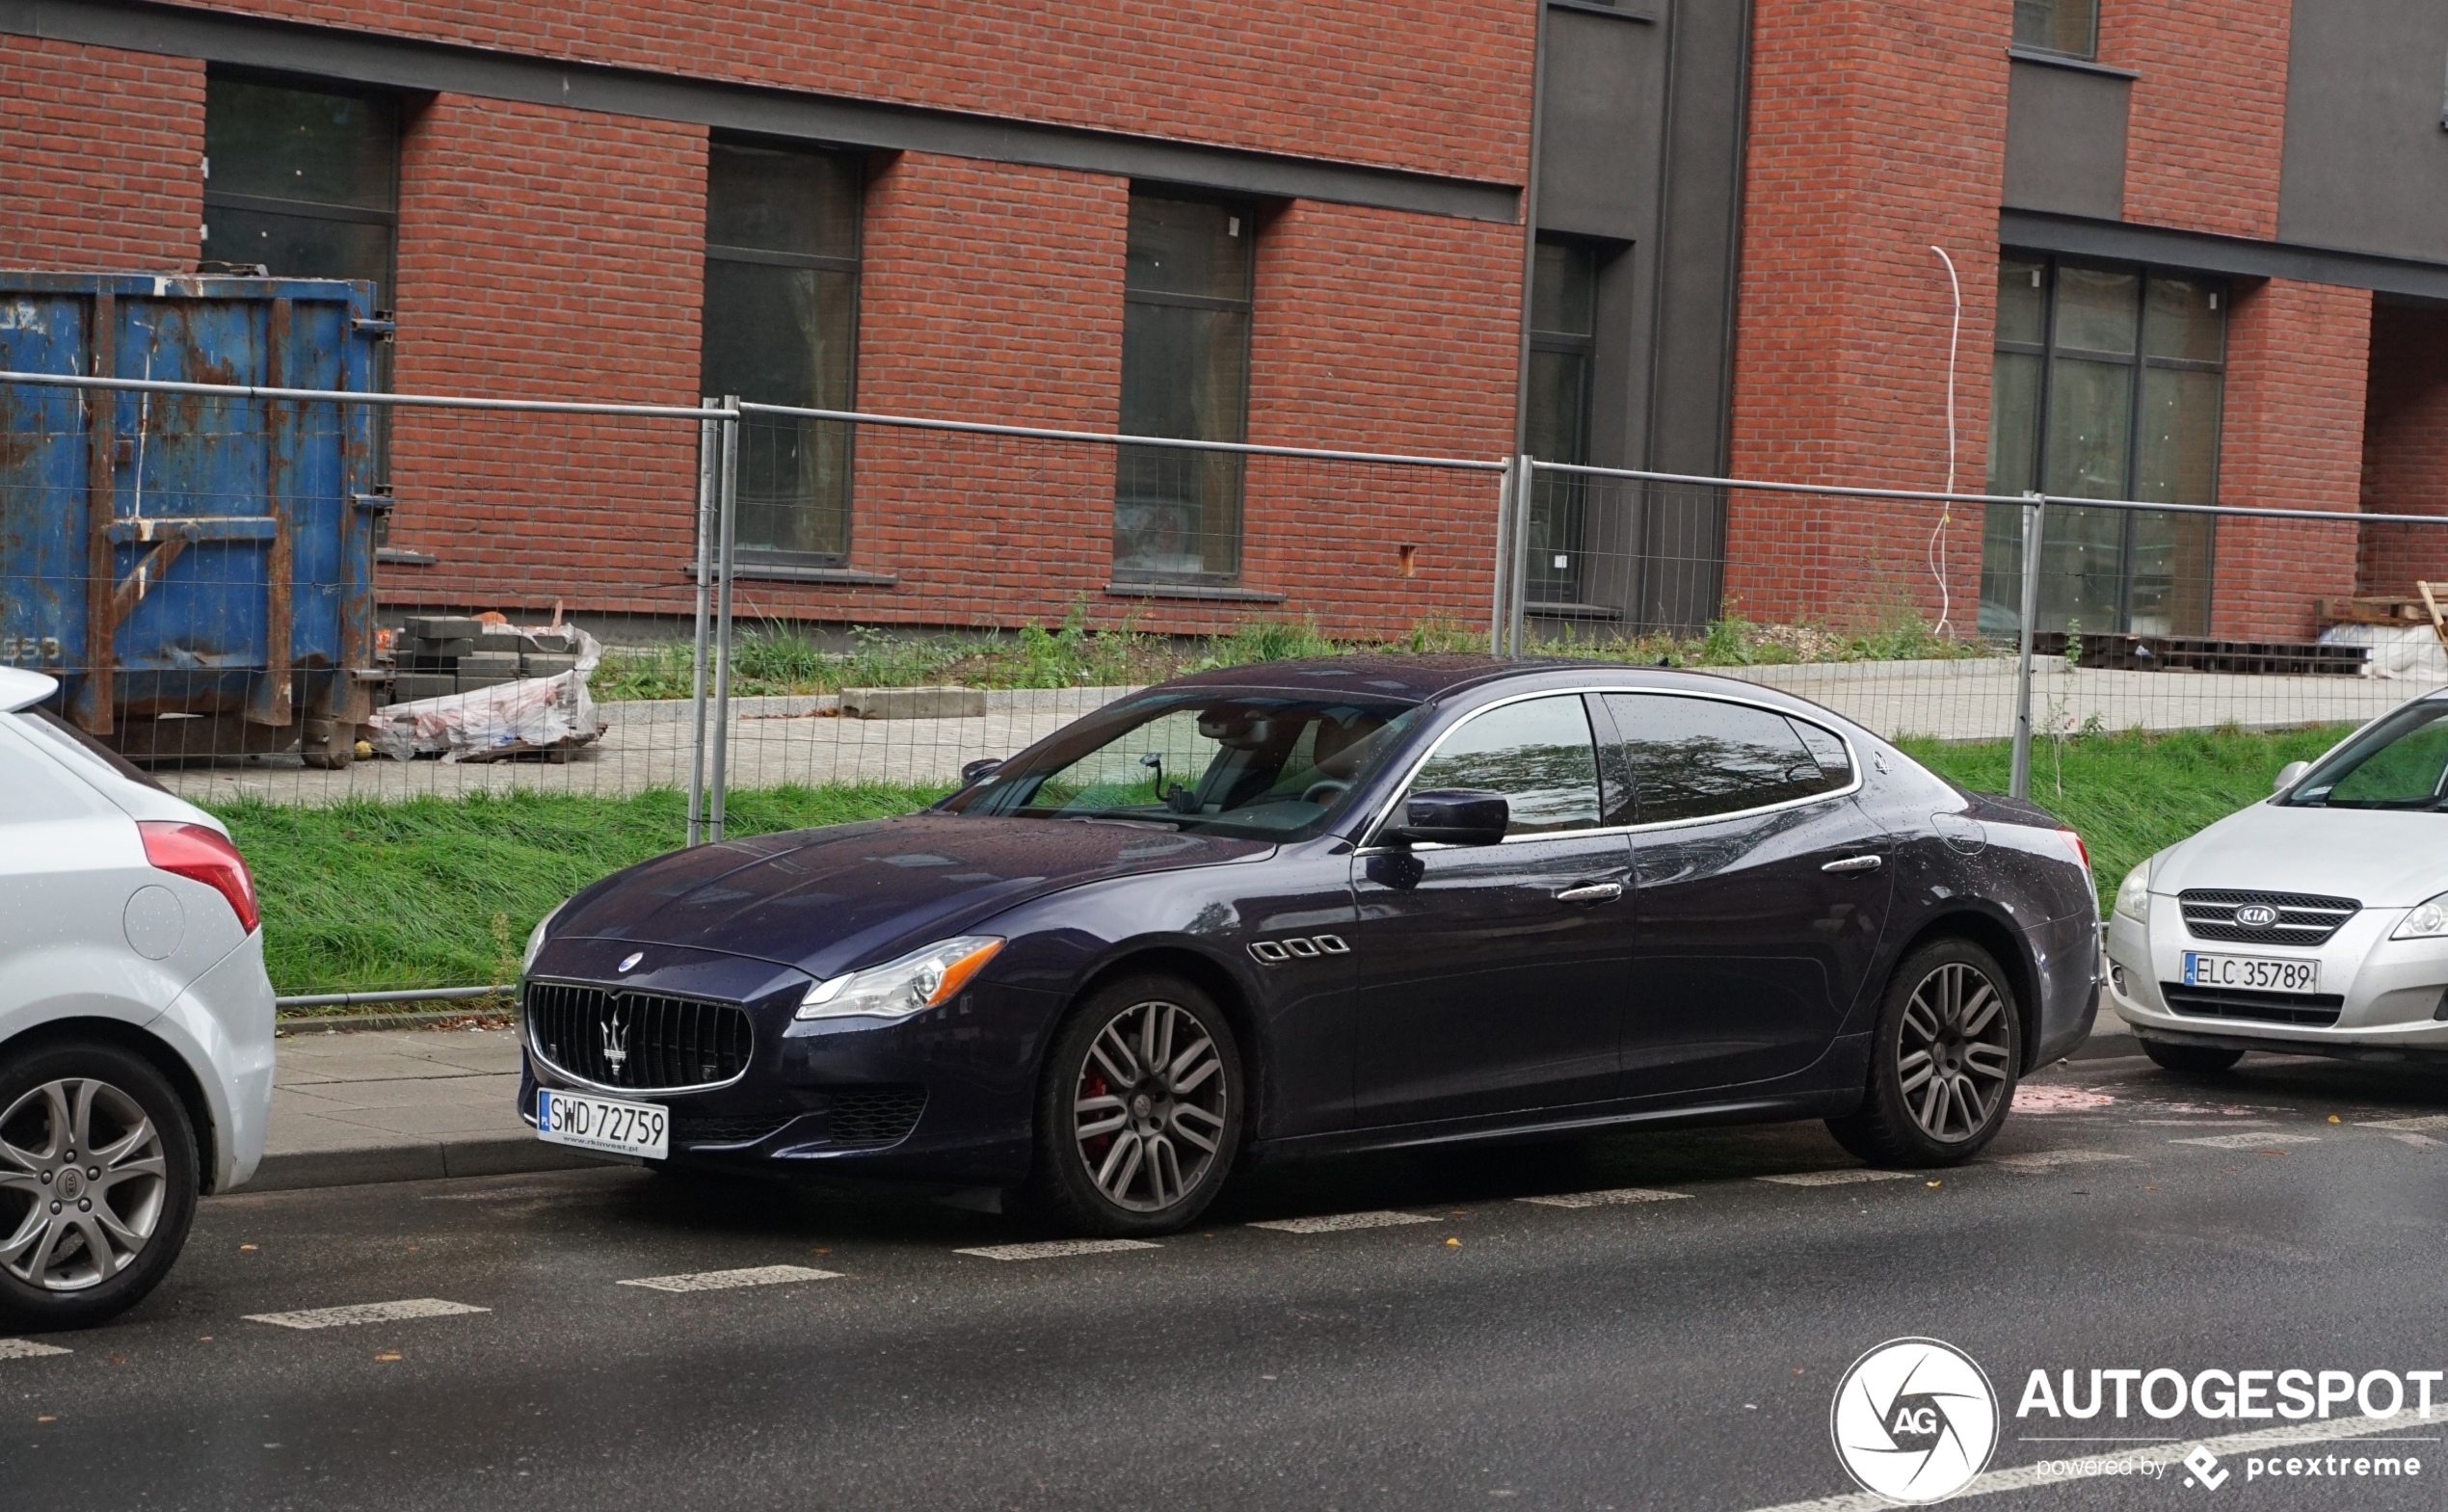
(441, 891)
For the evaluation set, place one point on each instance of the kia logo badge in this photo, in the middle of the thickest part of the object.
(631, 960)
(2256, 915)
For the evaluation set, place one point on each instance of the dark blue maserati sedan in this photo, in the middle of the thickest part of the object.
(1326, 906)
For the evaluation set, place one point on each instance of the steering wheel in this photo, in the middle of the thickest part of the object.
(1324, 791)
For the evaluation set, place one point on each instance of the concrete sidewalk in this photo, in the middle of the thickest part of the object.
(416, 1105)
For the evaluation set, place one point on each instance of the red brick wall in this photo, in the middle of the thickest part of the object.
(2405, 449)
(547, 254)
(2208, 116)
(102, 158)
(2291, 438)
(1441, 89)
(1876, 131)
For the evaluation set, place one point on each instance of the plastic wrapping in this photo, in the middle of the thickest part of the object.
(531, 714)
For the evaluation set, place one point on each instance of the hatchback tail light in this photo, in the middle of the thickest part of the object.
(2082, 852)
(205, 855)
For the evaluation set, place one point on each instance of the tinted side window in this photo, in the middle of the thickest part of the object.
(1693, 757)
(1537, 753)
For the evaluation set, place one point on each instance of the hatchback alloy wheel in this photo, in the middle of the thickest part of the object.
(84, 1170)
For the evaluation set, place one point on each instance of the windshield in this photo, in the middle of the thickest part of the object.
(2400, 762)
(1264, 765)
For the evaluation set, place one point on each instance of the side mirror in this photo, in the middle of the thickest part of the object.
(971, 771)
(2289, 775)
(1452, 816)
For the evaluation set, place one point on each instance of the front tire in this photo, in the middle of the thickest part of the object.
(2192, 1060)
(1139, 1113)
(1943, 1063)
(97, 1184)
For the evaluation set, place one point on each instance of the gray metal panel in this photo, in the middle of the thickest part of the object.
(1598, 156)
(395, 63)
(2366, 164)
(2065, 140)
(2231, 255)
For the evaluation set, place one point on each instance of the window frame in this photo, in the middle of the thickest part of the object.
(1560, 495)
(2089, 54)
(1603, 731)
(316, 209)
(2139, 362)
(854, 266)
(1247, 306)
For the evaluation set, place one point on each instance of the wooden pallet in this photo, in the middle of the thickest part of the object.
(2199, 653)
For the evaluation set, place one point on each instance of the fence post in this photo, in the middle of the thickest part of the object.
(2018, 784)
(709, 475)
(1525, 478)
(727, 496)
(1499, 616)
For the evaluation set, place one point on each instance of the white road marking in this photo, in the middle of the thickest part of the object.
(2429, 1122)
(725, 1280)
(366, 1313)
(1620, 1194)
(1337, 1223)
(1845, 1177)
(2027, 1477)
(1056, 1249)
(28, 1349)
(2417, 1140)
(2249, 1141)
(2052, 1159)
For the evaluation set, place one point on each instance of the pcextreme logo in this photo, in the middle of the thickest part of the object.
(1914, 1420)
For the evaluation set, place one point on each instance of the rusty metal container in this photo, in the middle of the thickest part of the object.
(197, 569)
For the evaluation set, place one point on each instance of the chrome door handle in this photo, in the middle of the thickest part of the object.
(1591, 893)
(1856, 864)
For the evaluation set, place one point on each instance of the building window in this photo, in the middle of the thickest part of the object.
(1185, 320)
(302, 181)
(2061, 26)
(1563, 335)
(780, 326)
(2107, 384)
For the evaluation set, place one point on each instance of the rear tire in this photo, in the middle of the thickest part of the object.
(1140, 1110)
(1943, 1062)
(97, 1184)
(2192, 1060)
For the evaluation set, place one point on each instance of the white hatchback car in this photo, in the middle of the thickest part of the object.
(135, 1020)
(2314, 922)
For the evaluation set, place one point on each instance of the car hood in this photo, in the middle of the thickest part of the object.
(827, 900)
(2382, 858)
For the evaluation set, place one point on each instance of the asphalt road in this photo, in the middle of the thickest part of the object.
(1677, 1352)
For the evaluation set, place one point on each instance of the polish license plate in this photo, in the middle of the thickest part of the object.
(2253, 974)
(602, 1124)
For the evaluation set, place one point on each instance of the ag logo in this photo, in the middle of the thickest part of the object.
(1914, 1420)
(2204, 1465)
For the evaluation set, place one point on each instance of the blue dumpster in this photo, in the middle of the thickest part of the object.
(198, 570)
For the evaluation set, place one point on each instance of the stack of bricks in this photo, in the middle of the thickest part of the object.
(440, 654)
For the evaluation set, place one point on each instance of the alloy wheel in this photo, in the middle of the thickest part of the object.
(1953, 1059)
(1149, 1109)
(90, 1171)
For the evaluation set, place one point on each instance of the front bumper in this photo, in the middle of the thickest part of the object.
(2393, 994)
(944, 1096)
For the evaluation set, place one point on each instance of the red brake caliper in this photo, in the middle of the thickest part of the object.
(1093, 1085)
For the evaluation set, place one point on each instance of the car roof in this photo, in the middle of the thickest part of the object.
(23, 689)
(1428, 678)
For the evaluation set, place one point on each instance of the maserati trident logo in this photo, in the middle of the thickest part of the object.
(616, 1040)
(1914, 1420)
(2256, 915)
(631, 960)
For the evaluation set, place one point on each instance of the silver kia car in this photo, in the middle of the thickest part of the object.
(2315, 923)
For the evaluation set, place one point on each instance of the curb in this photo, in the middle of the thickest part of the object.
(426, 1160)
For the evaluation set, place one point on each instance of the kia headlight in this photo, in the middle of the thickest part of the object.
(2133, 894)
(2424, 920)
(897, 989)
(535, 936)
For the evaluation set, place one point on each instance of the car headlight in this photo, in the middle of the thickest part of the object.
(2424, 920)
(897, 989)
(535, 936)
(2133, 894)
